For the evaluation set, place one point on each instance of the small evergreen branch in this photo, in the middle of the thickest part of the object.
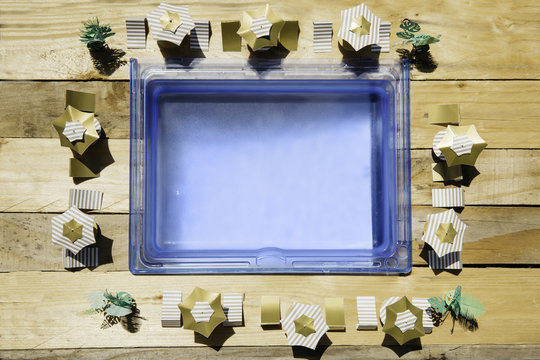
(94, 35)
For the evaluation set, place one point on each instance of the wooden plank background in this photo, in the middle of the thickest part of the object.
(488, 62)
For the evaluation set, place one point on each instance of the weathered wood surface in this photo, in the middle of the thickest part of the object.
(495, 235)
(43, 310)
(337, 352)
(480, 39)
(34, 177)
(506, 113)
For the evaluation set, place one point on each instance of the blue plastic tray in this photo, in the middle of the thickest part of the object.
(291, 169)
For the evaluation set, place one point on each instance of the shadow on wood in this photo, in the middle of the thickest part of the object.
(107, 60)
(96, 158)
(424, 255)
(420, 60)
(306, 353)
(218, 337)
(171, 51)
(401, 350)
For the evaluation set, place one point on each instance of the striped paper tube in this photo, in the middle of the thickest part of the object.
(387, 302)
(427, 320)
(322, 36)
(451, 197)
(200, 36)
(87, 257)
(345, 33)
(85, 199)
(233, 308)
(451, 261)
(432, 225)
(170, 312)
(405, 320)
(136, 32)
(367, 313)
(174, 37)
(295, 312)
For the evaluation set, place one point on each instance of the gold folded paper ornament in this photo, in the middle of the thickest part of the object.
(260, 28)
(86, 120)
(72, 230)
(288, 37)
(335, 313)
(304, 325)
(201, 298)
(80, 169)
(360, 26)
(442, 172)
(170, 21)
(446, 233)
(461, 145)
(270, 310)
(81, 101)
(444, 114)
(403, 321)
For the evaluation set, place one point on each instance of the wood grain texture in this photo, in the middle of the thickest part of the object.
(505, 113)
(35, 177)
(495, 235)
(339, 352)
(42, 310)
(488, 41)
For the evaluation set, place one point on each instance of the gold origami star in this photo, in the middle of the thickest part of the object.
(446, 233)
(72, 230)
(170, 21)
(360, 26)
(304, 325)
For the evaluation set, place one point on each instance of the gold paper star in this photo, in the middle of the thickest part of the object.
(170, 21)
(72, 230)
(304, 325)
(360, 26)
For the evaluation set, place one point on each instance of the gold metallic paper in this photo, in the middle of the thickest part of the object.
(335, 313)
(82, 101)
(360, 26)
(304, 325)
(288, 37)
(170, 21)
(231, 40)
(446, 144)
(446, 233)
(250, 37)
(78, 169)
(393, 330)
(87, 121)
(444, 114)
(204, 328)
(270, 310)
(72, 230)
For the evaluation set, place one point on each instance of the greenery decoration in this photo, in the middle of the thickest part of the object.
(458, 304)
(420, 42)
(120, 304)
(94, 35)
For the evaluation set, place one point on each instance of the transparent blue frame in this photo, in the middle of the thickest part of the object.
(396, 258)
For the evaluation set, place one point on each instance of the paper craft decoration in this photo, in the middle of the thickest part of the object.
(304, 325)
(120, 304)
(170, 23)
(195, 311)
(450, 197)
(233, 308)
(85, 120)
(403, 321)
(382, 310)
(367, 313)
(74, 131)
(199, 38)
(270, 310)
(447, 248)
(464, 305)
(288, 37)
(79, 169)
(442, 172)
(335, 313)
(444, 114)
(427, 319)
(65, 230)
(81, 101)
(451, 261)
(229, 36)
(85, 199)
(136, 32)
(436, 141)
(359, 28)
(322, 36)
(171, 315)
(87, 257)
(260, 28)
(384, 38)
(461, 145)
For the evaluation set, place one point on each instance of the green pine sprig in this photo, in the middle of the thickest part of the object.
(94, 35)
(420, 42)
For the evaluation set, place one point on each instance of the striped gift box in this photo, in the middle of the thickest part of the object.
(85, 199)
(359, 42)
(367, 313)
(200, 36)
(233, 308)
(136, 32)
(384, 38)
(170, 312)
(427, 320)
(165, 35)
(87, 257)
(451, 197)
(322, 36)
